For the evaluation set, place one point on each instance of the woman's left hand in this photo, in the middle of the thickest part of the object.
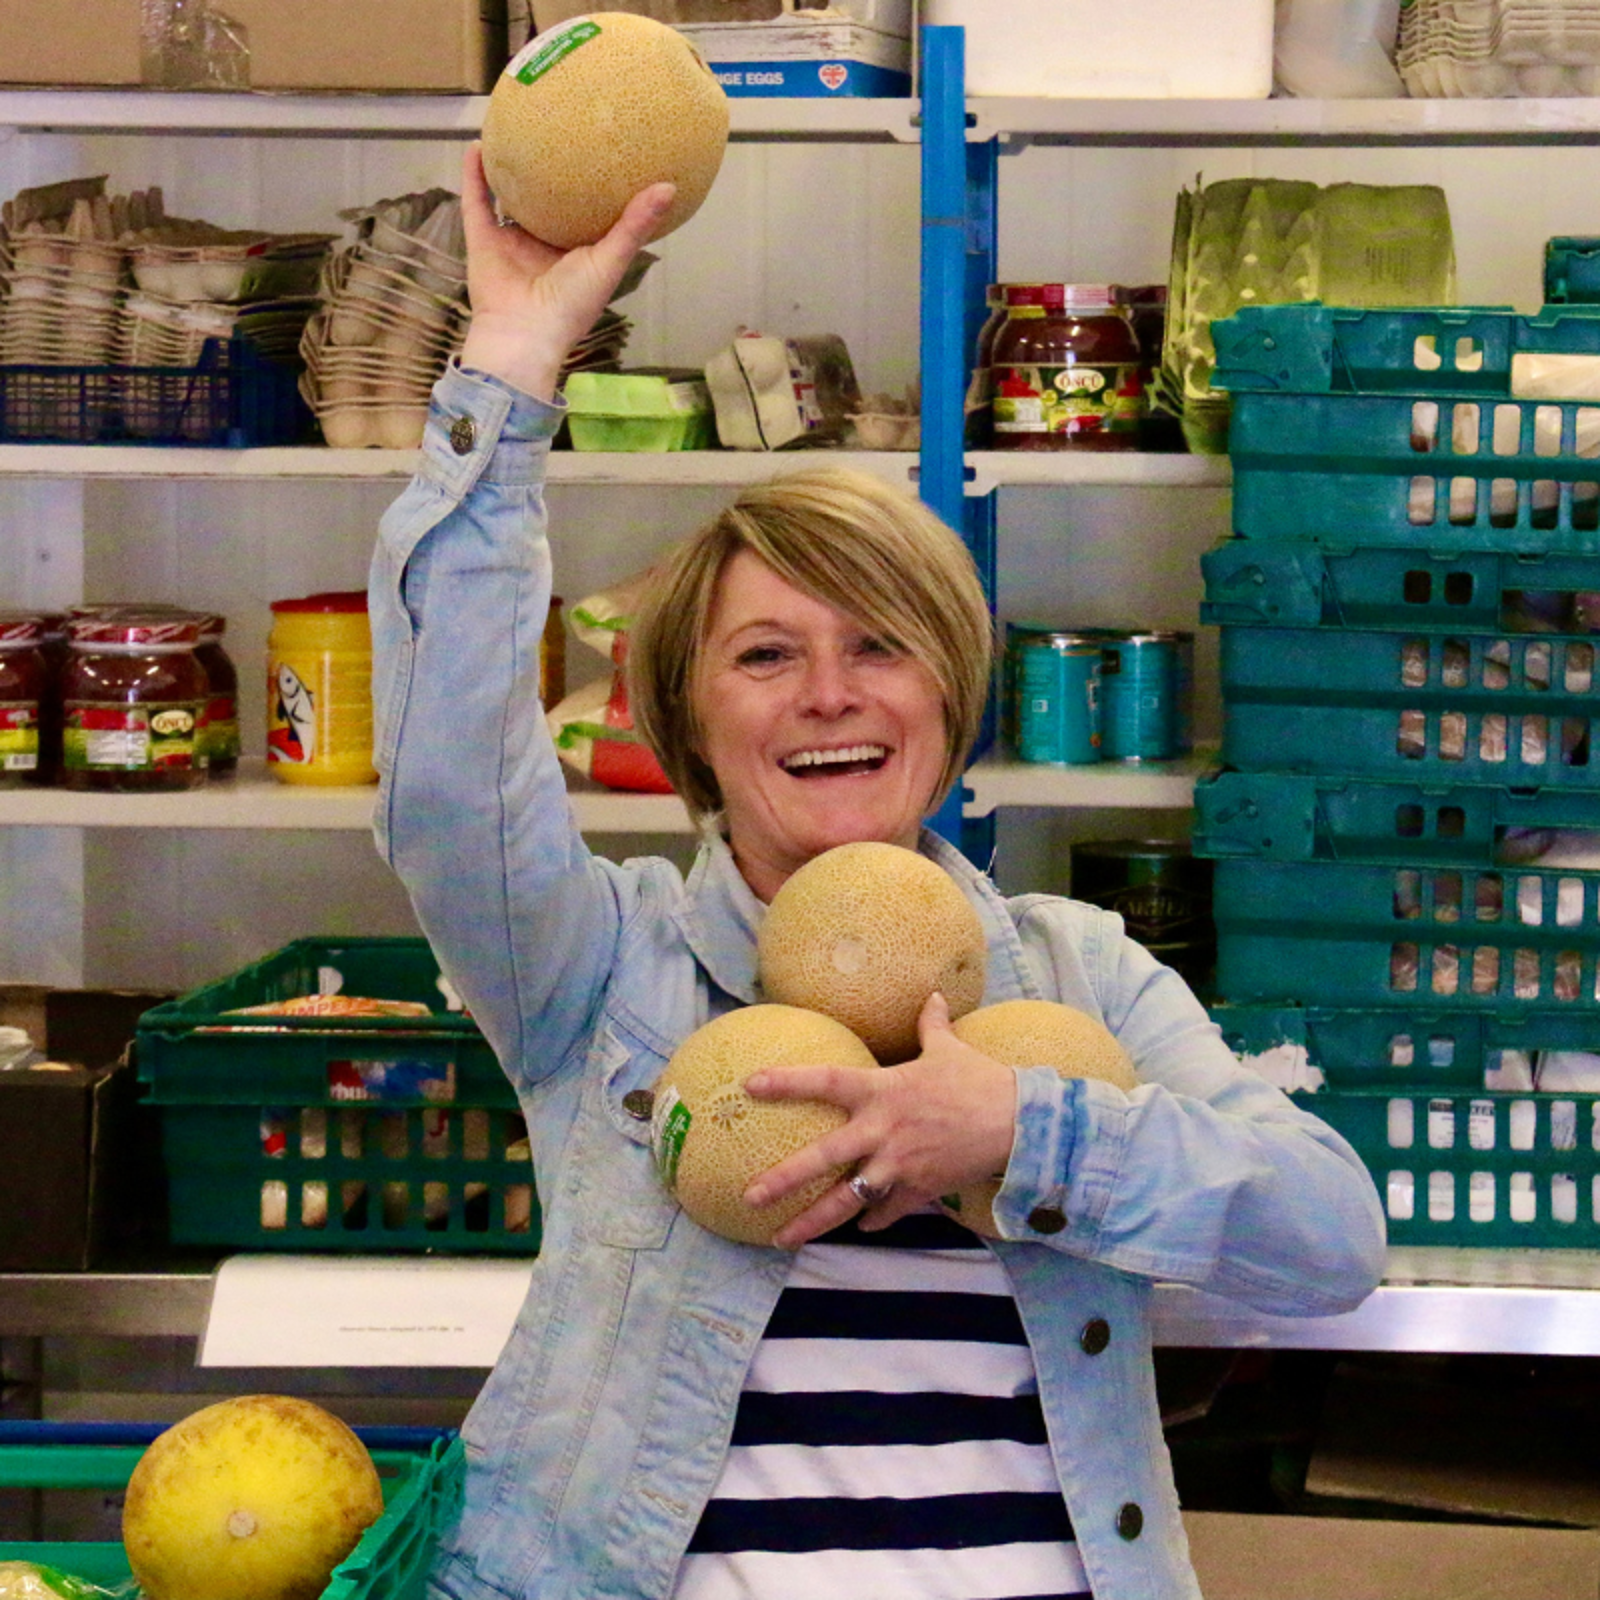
(916, 1131)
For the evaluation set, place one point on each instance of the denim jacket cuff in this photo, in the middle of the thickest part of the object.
(1041, 1150)
(480, 428)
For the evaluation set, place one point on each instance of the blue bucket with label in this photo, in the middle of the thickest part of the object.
(1057, 677)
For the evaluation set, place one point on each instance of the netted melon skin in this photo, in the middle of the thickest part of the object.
(730, 1138)
(1035, 1033)
(632, 106)
(864, 933)
(254, 1498)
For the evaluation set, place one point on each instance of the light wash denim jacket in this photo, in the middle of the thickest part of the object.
(600, 1434)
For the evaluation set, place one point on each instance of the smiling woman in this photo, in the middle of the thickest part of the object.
(812, 666)
(888, 1406)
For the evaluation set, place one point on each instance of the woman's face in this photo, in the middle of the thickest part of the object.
(819, 733)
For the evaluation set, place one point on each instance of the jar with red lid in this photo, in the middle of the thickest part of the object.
(319, 690)
(1066, 373)
(133, 693)
(979, 418)
(53, 647)
(220, 731)
(23, 685)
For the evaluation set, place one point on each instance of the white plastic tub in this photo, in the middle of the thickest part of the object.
(1130, 50)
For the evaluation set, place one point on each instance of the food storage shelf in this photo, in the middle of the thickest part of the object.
(1363, 428)
(422, 1493)
(1463, 1169)
(336, 1133)
(1412, 1047)
(1424, 705)
(1290, 584)
(1283, 816)
(1347, 934)
(233, 396)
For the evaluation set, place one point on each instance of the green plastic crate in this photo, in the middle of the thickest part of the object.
(1421, 705)
(1498, 1170)
(1363, 428)
(1572, 270)
(1414, 1047)
(1293, 584)
(346, 1134)
(1282, 816)
(422, 1492)
(1353, 934)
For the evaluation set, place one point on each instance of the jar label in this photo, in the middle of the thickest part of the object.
(1073, 402)
(19, 736)
(220, 728)
(122, 738)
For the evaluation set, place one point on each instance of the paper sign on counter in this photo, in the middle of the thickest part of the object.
(318, 1311)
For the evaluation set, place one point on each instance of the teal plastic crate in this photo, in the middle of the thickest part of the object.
(422, 1492)
(1410, 1047)
(1348, 934)
(1422, 705)
(1281, 816)
(1477, 1169)
(1369, 428)
(339, 1134)
(1293, 584)
(1572, 270)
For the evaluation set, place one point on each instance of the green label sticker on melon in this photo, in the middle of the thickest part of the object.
(669, 1127)
(549, 48)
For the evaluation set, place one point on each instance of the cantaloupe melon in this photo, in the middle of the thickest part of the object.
(255, 1498)
(1035, 1033)
(864, 933)
(591, 112)
(710, 1138)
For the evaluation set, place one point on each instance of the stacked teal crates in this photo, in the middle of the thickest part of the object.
(1410, 616)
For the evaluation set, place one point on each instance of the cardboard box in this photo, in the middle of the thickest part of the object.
(447, 46)
(884, 16)
(799, 57)
(1340, 1558)
(75, 1148)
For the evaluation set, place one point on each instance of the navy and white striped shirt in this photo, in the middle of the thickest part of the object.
(889, 1442)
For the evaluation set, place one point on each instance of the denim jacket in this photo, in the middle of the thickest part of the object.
(600, 1434)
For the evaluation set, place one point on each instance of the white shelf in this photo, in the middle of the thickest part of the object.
(255, 799)
(1131, 469)
(401, 116)
(1142, 786)
(677, 468)
(1285, 121)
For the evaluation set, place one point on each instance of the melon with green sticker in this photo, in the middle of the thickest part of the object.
(710, 1138)
(591, 112)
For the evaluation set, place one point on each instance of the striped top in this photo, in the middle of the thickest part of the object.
(889, 1443)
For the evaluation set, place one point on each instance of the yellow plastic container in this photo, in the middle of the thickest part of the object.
(319, 690)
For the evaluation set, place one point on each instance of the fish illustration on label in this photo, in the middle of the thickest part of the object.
(293, 734)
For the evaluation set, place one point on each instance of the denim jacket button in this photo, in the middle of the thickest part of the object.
(463, 436)
(1046, 1219)
(1130, 1521)
(1095, 1337)
(639, 1103)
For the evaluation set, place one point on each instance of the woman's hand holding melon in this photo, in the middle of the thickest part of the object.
(933, 1125)
(531, 302)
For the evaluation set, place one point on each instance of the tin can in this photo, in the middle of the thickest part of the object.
(1162, 892)
(1058, 698)
(1148, 695)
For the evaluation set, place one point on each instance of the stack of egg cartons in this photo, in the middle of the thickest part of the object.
(1474, 49)
(392, 312)
(1406, 828)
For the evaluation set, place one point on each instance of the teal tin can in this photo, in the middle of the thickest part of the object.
(1058, 712)
(1147, 694)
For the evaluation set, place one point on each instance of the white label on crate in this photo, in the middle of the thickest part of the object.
(313, 1311)
(1480, 1197)
(1480, 1125)
(1441, 1124)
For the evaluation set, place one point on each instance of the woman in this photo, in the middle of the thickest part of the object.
(679, 1415)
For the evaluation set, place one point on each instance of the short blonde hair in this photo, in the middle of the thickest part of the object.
(844, 538)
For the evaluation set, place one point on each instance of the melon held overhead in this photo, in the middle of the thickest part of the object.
(593, 111)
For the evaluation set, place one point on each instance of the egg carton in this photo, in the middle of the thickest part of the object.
(256, 267)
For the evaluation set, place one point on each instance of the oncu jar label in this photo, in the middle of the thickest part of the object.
(1075, 402)
(120, 738)
(19, 735)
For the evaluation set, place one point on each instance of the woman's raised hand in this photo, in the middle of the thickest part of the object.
(916, 1131)
(531, 302)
